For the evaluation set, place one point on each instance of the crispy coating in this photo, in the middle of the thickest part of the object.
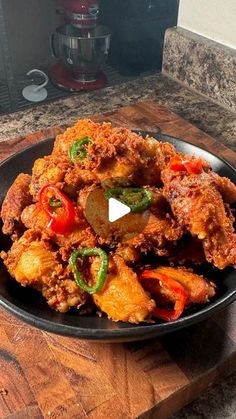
(199, 208)
(122, 298)
(125, 154)
(77, 177)
(128, 253)
(82, 234)
(83, 128)
(161, 229)
(32, 262)
(226, 188)
(12, 256)
(161, 153)
(36, 265)
(114, 153)
(62, 294)
(47, 170)
(17, 198)
(34, 216)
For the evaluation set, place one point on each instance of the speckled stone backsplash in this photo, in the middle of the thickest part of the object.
(201, 64)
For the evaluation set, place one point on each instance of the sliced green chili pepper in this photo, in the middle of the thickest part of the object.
(77, 149)
(55, 203)
(102, 273)
(138, 199)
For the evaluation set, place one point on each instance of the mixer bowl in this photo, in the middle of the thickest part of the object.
(84, 52)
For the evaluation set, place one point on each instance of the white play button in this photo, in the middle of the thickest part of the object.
(110, 217)
(116, 210)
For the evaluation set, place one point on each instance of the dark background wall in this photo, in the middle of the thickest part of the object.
(137, 28)
(28, 25)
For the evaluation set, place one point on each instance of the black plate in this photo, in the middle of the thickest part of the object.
(30, 307)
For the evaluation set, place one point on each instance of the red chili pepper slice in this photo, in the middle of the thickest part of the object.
(193, 166)
(62, 215)
(176, 289)
(190, 166)
(177, 164)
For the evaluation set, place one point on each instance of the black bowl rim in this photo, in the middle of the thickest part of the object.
(142, 331)
(135, 331)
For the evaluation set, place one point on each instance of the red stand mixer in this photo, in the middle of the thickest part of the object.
(81, 45)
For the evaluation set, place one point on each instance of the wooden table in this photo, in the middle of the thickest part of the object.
(45, 375)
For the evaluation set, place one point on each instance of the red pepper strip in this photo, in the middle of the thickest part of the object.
(176, 164)
(190, 166)
(178, 291)
(193, 166)
(62, 219)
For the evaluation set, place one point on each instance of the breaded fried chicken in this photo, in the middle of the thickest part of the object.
(32, 262)
(112, 153)
(161, 229)
(122, 298)
(125, 154)
(199, 208)
(80, 235)
(224, 185)
(17, 198)
(47, 170)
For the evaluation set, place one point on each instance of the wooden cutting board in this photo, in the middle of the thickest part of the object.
(45, 375)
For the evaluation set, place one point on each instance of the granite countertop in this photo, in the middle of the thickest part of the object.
(220, 400)
(195, 108)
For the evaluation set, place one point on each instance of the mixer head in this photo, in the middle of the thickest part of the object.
(80, 13)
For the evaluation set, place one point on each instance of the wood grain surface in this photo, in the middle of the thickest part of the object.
(49, 376)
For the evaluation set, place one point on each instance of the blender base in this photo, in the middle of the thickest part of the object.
(61, 76)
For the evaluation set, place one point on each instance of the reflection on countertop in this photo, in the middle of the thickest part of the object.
(197, 109)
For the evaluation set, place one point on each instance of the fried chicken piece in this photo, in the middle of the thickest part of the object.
(32, 262)
(63, 294)
(157, 236)
(11, 257)
(17, 198)
(226, 188)
(125, 154)
(153, 229)
(83, 128)
(128, 253)
(198, 206)
(108, 233)
(77, 177)
(36, 265)
(34, 216)
(161, 229)
(114, 153)
(82, 234)
(122, 298)
(47, 170)
(161, 153)
(199, 289)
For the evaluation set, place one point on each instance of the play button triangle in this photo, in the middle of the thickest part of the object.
(116, 210)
